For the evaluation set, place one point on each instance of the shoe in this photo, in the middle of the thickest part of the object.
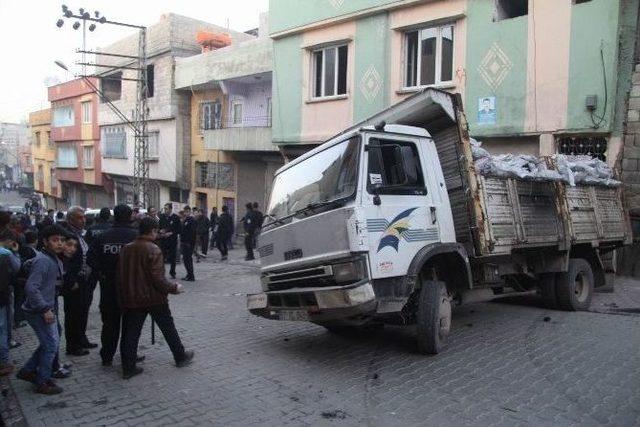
(67, 365)
(186, 359)
(6, 369)
(48, 388)
(188, 279)
(27, 376)
(78, 352)
(14, 344)
(61, 374)
(173, 276)
(249, 258)
(107, 363)
(89, 345)
(140, 359)
(130, 374)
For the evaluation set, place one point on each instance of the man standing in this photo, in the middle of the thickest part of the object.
(213, 224)
(40, 292)
(202, 232)
(225, 231)
(187, 243)
(169, 230)
(250, 222)
(78, 294)
(9, 266)
(99, 227)
(142, 291)
(103, 258)
(259, 220)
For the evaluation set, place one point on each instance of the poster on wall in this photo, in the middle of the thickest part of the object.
(487, 110)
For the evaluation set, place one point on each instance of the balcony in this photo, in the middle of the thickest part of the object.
(239, 134)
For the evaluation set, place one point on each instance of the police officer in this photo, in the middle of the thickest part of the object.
(103, 257)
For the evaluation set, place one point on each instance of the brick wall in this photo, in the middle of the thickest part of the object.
(631, 152)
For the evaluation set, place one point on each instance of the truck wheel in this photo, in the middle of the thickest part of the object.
(574, 289)
(433, 317)
(548, 290)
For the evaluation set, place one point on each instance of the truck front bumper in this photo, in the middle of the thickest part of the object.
(314, 304)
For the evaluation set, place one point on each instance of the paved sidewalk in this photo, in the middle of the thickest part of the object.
(508, 362)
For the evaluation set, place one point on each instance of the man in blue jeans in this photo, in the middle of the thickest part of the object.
(40, 297)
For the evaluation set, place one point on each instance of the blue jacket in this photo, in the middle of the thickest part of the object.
(40, 289)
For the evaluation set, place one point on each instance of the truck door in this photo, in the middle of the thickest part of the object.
(398, 202)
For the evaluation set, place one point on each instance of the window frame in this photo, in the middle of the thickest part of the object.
(314, 65)
(400, 189)
(155, 156)
(90, 149)
(235, 103)
(438, 82)
(106, 142)
(37, 138)
(86, 112)
(71, 148)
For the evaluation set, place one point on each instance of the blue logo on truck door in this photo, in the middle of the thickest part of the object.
(399, 227)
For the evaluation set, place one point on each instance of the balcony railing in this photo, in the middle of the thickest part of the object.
(243, 122)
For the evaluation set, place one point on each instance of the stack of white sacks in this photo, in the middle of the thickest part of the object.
(570, 169)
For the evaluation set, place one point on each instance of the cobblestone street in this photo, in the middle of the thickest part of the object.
(507, 363)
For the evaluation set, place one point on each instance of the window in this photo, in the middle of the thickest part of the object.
(210, 115)
(112, 86)
(580, 1)
(67, 156)
(114, 139)
(507, 9)
(178, 195)
(86, 112)
(396, 166)
(54, 181)
(330, 71)
(593, 146)
(215, 175)
(63, 116)
(40, 175)
(429, 56)
(37, 138)
(49, 141)
(153, 147)
(87, 157)
(150, 80)
(269, 112)
(236, 112)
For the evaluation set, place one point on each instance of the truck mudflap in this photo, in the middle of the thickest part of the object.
(314, 304)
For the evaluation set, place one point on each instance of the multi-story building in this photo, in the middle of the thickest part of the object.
(169, 122)
(43, 151)
(538, 77)
(233, 158)
(13, 139)
(75, 133)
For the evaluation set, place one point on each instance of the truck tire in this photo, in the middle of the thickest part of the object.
(574, 289)
(548, 290)
(433, 317)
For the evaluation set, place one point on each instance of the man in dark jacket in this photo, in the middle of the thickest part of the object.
(188, 242)
(202, 232)
(142, 291)
(103, 258)
(101, 225)
(78, 293)
(170, 228)
(40, 294)
(225, 231)
(250, 222)
(213, 223)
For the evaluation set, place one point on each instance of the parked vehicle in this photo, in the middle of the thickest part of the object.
(389, 222)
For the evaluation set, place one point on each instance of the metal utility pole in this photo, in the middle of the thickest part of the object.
(143, 187)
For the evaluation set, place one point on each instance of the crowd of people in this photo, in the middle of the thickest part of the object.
(60, 258)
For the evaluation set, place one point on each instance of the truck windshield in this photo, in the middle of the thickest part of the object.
(329, 175)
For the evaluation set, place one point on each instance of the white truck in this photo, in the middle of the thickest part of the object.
(389, 222)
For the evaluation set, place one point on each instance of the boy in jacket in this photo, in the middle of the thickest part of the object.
(39, 307)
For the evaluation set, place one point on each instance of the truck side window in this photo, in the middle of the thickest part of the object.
(395, 165)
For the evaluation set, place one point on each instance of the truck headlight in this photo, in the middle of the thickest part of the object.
(349, 271)
(255, 301)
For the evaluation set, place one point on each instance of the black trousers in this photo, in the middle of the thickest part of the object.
(111, 319)
(172, 250)
(248, 244)
(132, 323)
(187, 257)
(18, 299)
(73, 313)
(204, 242)
(222, 246)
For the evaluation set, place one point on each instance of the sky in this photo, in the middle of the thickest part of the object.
(30, 41)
